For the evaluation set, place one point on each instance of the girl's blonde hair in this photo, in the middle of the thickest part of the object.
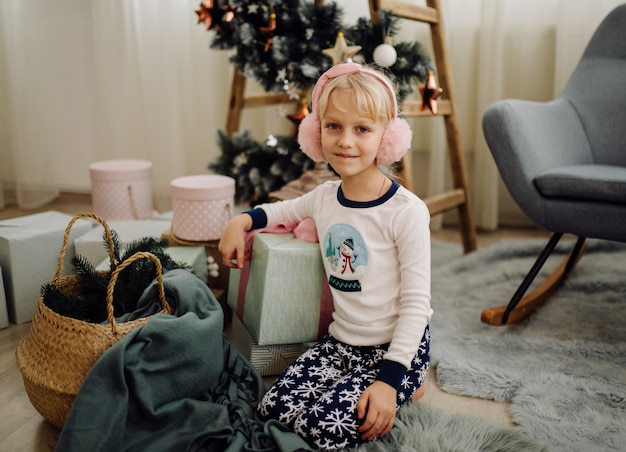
(374, 96)
(370, 97)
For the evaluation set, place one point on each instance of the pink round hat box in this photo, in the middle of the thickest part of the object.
(122, 189)
(202, 206)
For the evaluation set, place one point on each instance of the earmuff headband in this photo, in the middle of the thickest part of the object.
(396, 139)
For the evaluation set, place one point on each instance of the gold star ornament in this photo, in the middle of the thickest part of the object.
(341, 52)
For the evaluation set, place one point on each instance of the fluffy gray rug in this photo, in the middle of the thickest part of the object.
(563, 369)
(420, 428)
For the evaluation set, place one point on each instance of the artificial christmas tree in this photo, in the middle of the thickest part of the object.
(285, 46)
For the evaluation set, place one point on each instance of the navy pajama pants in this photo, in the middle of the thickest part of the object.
(317, 394)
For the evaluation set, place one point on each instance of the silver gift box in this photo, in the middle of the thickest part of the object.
(267, 359)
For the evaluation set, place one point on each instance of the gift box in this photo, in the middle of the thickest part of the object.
(91, 245)
(194, 256)
(122, 189)
(29, 252)
(202, 206)
(267, 359)
(4, 315)
(281, 301)
(165, 216)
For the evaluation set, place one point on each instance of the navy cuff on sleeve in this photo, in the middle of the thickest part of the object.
(391, 373)
(259, 218)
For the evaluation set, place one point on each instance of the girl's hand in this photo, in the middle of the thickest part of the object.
(232, 243)
(377, 408)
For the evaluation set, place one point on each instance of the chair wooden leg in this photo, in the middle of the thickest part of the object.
(522, 306)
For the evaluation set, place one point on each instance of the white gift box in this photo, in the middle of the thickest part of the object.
(165, 216)
(194, 256)
(29, 251)
(4, 315)
(91, 245)
(266, 359)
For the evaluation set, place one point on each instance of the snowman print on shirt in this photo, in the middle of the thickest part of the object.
(347, 256)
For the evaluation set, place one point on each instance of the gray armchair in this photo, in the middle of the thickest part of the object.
(564, 161)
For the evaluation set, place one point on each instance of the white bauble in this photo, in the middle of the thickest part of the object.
(385, 55)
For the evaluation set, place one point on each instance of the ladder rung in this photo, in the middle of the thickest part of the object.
(445, 201)
(413, 108)
(409, 11)
(263, 100)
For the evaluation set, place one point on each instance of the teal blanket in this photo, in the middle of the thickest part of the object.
(175, 384)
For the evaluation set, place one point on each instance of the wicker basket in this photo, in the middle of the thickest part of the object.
(58, 351)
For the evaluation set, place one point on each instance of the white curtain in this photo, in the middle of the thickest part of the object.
(89, 80)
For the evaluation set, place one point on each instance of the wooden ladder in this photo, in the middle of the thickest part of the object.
(456, 198)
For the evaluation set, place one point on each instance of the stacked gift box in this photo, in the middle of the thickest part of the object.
(266, 359)
(29, 252)
(279, 306)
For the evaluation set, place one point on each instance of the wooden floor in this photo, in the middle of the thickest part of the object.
(23, 430)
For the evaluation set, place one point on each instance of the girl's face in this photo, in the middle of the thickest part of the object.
(350, 142)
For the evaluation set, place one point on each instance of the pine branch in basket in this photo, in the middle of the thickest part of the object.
(87, 298)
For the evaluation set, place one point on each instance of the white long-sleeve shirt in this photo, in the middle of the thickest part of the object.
(377, 258)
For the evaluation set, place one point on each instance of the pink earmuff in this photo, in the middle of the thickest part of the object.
(396, 139)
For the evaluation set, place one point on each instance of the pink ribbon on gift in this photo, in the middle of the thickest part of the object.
(305, 230)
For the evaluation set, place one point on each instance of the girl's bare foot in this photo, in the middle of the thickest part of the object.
(418, 394)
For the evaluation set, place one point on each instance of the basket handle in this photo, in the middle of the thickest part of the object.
(66, 238)
(159, 277)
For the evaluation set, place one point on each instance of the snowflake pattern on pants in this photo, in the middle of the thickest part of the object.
(317, 394)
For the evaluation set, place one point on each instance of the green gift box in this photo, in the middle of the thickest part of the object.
(280, 300)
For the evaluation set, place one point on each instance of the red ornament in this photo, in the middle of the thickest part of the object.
(269, 31)
(298, 116)
(430, 92)
(212, 14)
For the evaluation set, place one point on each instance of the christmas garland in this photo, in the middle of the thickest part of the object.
(285, 45)
(280, 43)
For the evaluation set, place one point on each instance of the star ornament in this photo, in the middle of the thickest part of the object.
(341, 52)
(298, 116)
(430, 92)
(269, 31)
(212, 14)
